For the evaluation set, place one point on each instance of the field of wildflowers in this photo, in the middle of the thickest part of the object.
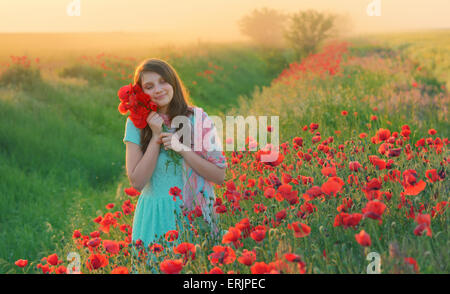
(362, 168)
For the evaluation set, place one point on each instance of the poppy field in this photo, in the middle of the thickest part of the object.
(360, 183)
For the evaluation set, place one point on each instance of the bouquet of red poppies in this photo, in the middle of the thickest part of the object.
(137, 102)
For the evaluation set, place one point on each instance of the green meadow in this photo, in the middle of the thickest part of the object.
(62, 158)
(61, 149)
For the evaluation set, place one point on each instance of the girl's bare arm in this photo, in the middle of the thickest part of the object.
(140, 166)
(203, 167)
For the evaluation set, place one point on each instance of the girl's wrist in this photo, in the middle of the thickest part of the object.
(185, 151)
(154, 140)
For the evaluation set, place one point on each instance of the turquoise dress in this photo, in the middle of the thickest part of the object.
(156, 211)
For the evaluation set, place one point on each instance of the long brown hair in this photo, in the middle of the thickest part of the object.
(180, 104)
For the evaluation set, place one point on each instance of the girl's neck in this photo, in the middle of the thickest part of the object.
(162, 110)
(165, 117)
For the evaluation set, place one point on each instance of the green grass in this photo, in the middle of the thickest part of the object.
(428, 49)
(62, 156)
(61, 149)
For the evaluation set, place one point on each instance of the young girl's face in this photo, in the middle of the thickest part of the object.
(160, 90)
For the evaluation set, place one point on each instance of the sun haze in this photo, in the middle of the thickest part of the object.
(214, 20)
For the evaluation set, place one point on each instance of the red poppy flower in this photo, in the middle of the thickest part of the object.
(247, 258)
(216, 271)
(134, 99)
(244, 226)
(232, 235)
(354, 165)
(394, 152)
(377, 162)
(313, 127)
(60, 270)
(44, 268)
(171, 235)
(411, 184)
(106, 222)
(52, 259)
(220, 208)
(286, 178)
(298, 141)
(76, 234)
(188, 249)
(374, 210)
(120, 270)
(93, 243)
(269, 192)
(372, 189)
(307, 208)
(329, 171)
(21, 263)
(132, 192)
(127, 208)
(332, 185)
(314, 191)
(156, 248)
(111, 246)
(261, 268)
(286, 193)
(198, 211)
(363, 238)
(175, 192)
(222, 255)
(347, 220)
(292, 257)
(94, 234)
(281, 215)
(277, 156)
(424, 224)
(432, 175)
(96, 261)
(259, 233)
(382, 135)
(300, 229)
(279, 266)
(171, 266)
(316, 139)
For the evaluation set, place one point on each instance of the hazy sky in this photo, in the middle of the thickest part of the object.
(206, 19)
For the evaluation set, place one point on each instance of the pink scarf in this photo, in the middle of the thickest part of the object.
(197, 191)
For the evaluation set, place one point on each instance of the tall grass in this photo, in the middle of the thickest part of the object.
(61, 143)
(61, 149)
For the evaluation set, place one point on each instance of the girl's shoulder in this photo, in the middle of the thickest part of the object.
(195, 111)
(194, 108)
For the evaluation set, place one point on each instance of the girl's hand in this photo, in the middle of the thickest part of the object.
(171, 141)
(155, 122)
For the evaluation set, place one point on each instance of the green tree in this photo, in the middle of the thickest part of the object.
(266, 27)
(308, 29)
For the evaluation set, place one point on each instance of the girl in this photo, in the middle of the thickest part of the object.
(151, 169)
